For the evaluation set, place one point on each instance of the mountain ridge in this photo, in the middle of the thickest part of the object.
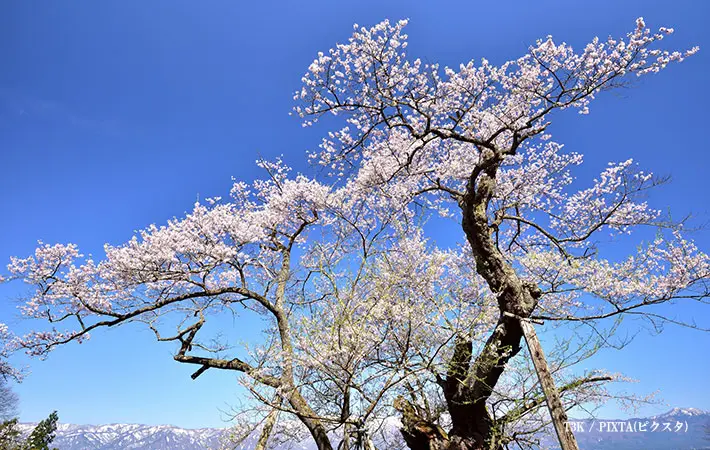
(593, 434)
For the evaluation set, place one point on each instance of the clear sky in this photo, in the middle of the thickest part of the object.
(118, 114)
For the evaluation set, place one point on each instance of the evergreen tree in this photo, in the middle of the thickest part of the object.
(9, 435)
(43, 434)
(39, 439)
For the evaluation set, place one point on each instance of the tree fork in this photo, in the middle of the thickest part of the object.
(516, 299)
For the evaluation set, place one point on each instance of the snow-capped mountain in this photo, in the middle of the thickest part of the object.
(689, 412)
(133, 436)
(597, 434)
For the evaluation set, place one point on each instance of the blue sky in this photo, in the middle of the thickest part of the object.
(118, 114)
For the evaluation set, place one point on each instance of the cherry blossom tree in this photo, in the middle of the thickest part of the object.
(365, 316)
(475, 139)
(322, 266)
(6, 370)
(220, 258)
(360, 307)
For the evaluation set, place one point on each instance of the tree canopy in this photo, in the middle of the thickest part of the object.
(369, 317)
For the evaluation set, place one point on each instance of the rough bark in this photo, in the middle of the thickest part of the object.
(469, 383)
(309, 418)
(418, 433)
(268, 427)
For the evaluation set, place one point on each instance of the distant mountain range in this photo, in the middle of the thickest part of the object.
(133, 437)
(678, 429)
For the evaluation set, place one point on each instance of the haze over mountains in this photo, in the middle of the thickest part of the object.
(599, 434)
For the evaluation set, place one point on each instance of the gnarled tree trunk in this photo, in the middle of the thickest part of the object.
(469, 383)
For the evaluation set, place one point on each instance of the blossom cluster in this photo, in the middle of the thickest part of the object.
(216, 246)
